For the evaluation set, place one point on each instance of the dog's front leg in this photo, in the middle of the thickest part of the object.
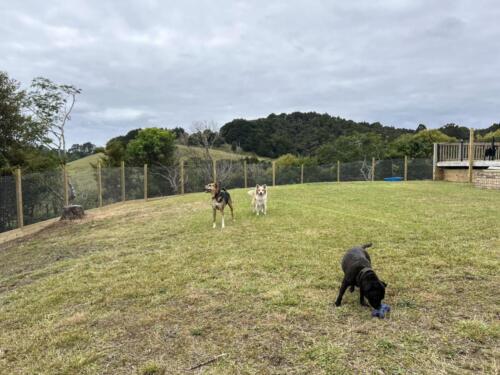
(342, 290)
(222, 215)
(362, 298)
(214, 214)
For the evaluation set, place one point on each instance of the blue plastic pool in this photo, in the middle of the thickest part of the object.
(393, 179)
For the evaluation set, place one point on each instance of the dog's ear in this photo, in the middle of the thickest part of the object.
(257, 186)
(383, 283)
(264, 186)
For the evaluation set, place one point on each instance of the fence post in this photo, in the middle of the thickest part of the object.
(338, 170)
(99, 183)
(19, 199)
(302, 173)
(122, 179)
(182, 175)
(145, 182)
(471, 153)
(274, 173)
(245, 173)
(373, 169)
(214, 169)
(406, 168)
(434, 162)
(65, 185)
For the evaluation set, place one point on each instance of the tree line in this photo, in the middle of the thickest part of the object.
(325, 138)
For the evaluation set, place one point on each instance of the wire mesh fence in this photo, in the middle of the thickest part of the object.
(43, 196)
(43, 193)
(260, 173)
(8, 210)
(320, 173)
(83, 187)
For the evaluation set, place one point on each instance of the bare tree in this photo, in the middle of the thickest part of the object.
(51, 105)
(366, 169)
(208, 134)
(170, 173)
(225, 169)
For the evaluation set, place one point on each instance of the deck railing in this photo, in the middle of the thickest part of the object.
(460, 151)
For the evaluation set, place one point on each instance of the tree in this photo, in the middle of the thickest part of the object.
(206, 136)
(51, 105)
(455, 131)
(421, 127)
(418, 145)
(358, 146)
(78, 151)
(151, 146)
(18, 133)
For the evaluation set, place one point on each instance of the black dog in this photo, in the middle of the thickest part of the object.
(357, 268)
(490, 153)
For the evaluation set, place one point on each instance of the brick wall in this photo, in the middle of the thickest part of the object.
(487, 179)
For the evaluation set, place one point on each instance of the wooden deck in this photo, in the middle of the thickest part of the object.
(457, 154)
(465, 164)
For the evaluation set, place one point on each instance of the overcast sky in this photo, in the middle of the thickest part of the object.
(169, 63)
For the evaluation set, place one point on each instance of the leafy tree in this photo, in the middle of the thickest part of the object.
(358, 146)
(19, 135)
(455, 131)
(489, 136)
(51, 105)
(115, 148)
(421, 127)
(78, 151)
(493, 128)
(151, 146)
(418, 145)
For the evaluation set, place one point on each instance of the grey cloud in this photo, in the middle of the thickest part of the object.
(400, 62)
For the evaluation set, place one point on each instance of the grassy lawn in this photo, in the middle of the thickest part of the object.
(150, 287)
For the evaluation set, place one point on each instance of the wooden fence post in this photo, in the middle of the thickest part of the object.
(373, 169)
(145, 182)
(182, 175)
(274, 173)
(19, 199)
(338, 170)
(122, 178)
(245, 173)
(65, 185)
(214, 169)
(99, 183)
(471, 153)
(302, 173)
(434, 162)
(406, 168)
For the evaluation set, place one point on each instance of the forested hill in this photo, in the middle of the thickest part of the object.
(298, 133)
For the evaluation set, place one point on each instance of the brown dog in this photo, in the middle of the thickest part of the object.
(220, 198)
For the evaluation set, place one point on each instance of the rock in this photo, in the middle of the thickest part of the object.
(72, 212)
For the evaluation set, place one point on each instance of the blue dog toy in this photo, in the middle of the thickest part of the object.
(380, 313)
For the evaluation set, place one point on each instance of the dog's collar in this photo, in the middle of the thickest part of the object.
(361, 273)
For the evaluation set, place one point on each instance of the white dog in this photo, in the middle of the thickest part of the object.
(259, 199)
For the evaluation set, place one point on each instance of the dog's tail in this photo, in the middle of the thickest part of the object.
(251, 192)
(366, 245)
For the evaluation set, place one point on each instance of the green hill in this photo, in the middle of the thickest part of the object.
(150, 287)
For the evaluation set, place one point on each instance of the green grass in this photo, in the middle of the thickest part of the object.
(151, 288)
(220, 154)
(84, 163)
